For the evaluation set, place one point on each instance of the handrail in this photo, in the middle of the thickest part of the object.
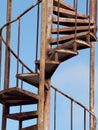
(22, 14)
(16, 19)
(73, 100)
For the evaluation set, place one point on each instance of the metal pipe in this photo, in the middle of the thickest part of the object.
(7, 62)
(37, 35)
(7, 55)
(42, 68)
(71, 116)
(18, 52)
(84, 119)
(55, 110)
(0, 57)
(76, 10)
(92, 53)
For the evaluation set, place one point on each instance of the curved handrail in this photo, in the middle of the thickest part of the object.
(16, 19)
(76, 102)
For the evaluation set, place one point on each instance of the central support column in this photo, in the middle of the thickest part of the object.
(7, 62)
(48, 41)
(42, 69)
(93, 14)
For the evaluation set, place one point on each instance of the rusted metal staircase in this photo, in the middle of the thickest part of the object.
(65, 31)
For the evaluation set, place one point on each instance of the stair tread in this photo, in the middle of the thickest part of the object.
(31, 78)
(71, 21)
(17, 96)
(68, 13)
(71, 30)
(23, 115)
(63, 5)
(35, 127)
(63, 39)
(63, 54)
(70, 44)
(50, 67)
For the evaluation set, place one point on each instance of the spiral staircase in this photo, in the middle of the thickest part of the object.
(67, 32)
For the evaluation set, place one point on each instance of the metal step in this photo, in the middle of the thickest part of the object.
(17, 96)
(68, 13)
(50, 67)
(63, 5)
(71, 21)
(71, 30)
(70, 45)
(23, 115)
(62, 55)
(31, 78)
(82, 36)
(35, 127)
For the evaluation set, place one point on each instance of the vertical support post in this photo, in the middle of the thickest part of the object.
(92, 53)
(7, 63)
(7, 59)
(42, 69)
(93, 9)
(48, 40)
(0, 57)
(47, 107)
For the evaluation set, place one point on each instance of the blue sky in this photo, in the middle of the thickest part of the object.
(72, 76)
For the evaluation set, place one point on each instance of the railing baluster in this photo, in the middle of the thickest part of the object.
(18, 51)
(0, 57)
(72, 102)
(71, 116)
(37, 35)
(55, 110)
(84, 119)
(58, 22)
(20, 122)
(88, 36)
(76, 7)
(87, 7)
(74, 3)
(22, 73)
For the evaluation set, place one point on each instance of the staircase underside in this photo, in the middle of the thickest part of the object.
(70, 45)
(68, 13)
(63, 5)
(50, 67)
(82, 36)
(71, 21)
(35, 127)
(16, 96)
(62, 55)
(23, 115)
(71, 30)
(31, 78)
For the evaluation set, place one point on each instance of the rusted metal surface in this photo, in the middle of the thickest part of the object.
(35, 127)
(92, 93)
(0, 57)
(42, 68)
(47, 65)
(71, 21)
(18, 51)
(68, 13)
(81, 35)
(64, 5)
(7, 62)
(47, 107)
(23, 115)
(68, 30)
(84, 109)
(93, 9)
